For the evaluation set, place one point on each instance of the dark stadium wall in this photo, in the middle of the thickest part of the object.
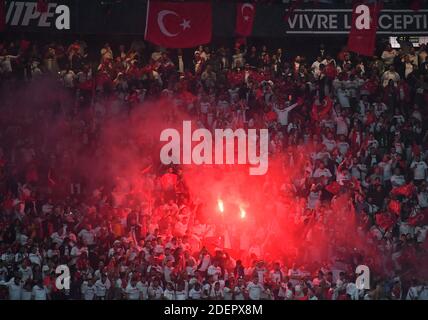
(123, 22)
(128, 17)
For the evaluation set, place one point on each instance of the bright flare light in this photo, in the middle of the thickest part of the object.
(243, 213)
(220, 205)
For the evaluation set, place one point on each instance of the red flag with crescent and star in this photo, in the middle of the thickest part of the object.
(178, 24)
(245, 14)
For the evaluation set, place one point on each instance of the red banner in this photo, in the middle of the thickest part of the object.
(245, 14)
(178, 25)
(362, 38)
(405, 190)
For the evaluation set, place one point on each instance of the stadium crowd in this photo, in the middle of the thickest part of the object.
(360, 122)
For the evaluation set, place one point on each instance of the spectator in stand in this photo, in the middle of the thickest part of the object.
(353, 133)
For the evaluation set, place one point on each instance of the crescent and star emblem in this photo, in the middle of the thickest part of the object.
(185, 24)
(249, 6)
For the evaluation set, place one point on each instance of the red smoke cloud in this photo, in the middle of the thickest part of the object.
(126, 160)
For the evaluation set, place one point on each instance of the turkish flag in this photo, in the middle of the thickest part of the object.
(319, 112)
(384, 221)
(362, 38)
(395, 207)
(333, 188)
(417, 220)
(245, 14)
(404, 190)
(178, 24)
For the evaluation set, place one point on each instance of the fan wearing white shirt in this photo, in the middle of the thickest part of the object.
(206, 290)
(421, 233)
(379, 108)
(216, 292)
(414, 291)
(254, 289)
(390, 74)
(20, 256)
(423, 295)
(352, 291)
(195, 293)
(295, 275)
(386, 166)
(322, 171)
(314, 197)
(214, 270)
(283, 112)
(143, 286)
(155, 291)
(87, 235)
(397, 179)
(59, 236)
(239, 290)
(15, 287)
(342, 145)
(316, 67)
(40, 292)
(276, 275)
(419, 169)
(27, 291)
(75, 252)
(329, 142)
(204, 260)
(342, 175)
(88, 289)
(423, 198)
(68, 78)
(169, 292)
(35, 257)
(132, 291)
(286, 291)
(26, 271)
(227, 291)
(99, 271)
(168, 270)
(181, 293)
(342, 124)
(6, 62)
(260, 271)
(103, 286)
